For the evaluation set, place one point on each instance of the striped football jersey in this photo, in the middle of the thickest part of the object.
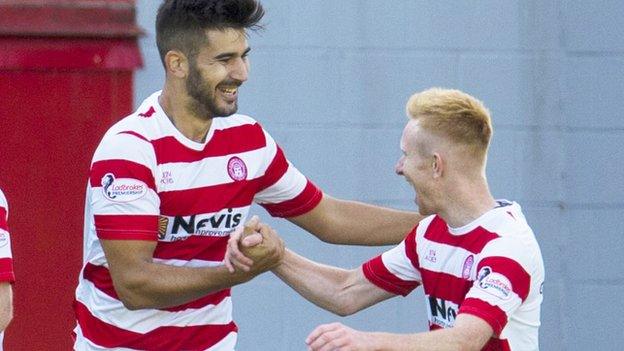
(149, 182)
(491, 268)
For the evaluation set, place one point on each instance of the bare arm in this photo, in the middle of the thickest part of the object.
(142, 283)
(349, 222)
(337, 290)
(469, 333)
(6, 304)
(340, 222)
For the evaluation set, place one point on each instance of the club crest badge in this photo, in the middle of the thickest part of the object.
(237, 169)
(467, 267)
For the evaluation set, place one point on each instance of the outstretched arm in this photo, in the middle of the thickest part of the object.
(469, 333)
(340, 222)
(349, 222)
(337, 290)
(141, 282)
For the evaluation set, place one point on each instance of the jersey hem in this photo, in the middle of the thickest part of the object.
(125, 235)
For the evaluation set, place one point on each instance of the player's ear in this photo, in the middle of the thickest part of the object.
(437, 165)
(177, 64)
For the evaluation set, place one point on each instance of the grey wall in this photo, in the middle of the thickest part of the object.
(330, 79)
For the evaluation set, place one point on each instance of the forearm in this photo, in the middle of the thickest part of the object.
(375, 225)
(439, 340)
(155, 285)
(470, 333)
(354, 223)
(6, 305)
(142, 282)
(323, 285)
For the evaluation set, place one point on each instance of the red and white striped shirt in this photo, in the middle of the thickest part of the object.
(6, 257)
(149, 182)
(491, 268)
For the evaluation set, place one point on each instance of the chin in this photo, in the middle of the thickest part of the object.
(227, 111)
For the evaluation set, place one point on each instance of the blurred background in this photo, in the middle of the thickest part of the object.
(329, 80)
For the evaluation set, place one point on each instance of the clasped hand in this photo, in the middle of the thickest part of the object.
(254, 247)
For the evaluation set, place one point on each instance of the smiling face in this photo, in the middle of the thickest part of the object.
(217, 71)
(416, 166)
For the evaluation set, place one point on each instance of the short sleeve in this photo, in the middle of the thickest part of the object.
(503, 282)
(284, 191)
(123, 197)
(396, 270)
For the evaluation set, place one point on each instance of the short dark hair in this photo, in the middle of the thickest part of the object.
(181, 24)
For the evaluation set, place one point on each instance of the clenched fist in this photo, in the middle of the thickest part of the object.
(255, 249)
(252, 242)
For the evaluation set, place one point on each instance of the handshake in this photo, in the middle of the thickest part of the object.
(255, 248)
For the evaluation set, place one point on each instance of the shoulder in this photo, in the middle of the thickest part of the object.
(515, 238)
(131, 137)
(124, 141)
(143, 124)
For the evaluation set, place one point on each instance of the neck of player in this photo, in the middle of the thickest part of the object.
(188, 122)
(466, 200)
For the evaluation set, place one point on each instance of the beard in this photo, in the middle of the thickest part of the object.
(204, 102)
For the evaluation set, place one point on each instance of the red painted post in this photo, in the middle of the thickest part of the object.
(66, 73)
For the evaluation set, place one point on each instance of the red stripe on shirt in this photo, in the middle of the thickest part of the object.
(230, 141)
(377, 273)
(445, 286)
(207, 199)
(474, 241)
(126, 227)
(275, 171)
(497, 345)
(208, 248)
(303, 203)
(410, 248)
(3, 219)
(493, 315)
(6, 270)
(519, 278)
(121, 169)
(162, 338)
(101, 278)
(493, 345)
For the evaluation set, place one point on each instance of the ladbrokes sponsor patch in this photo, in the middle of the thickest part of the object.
(494, 283)
(122, 189)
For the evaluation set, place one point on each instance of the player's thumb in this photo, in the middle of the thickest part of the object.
(252, 240)
(253, 221)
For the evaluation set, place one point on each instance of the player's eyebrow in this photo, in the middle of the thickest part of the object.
(226, 55)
